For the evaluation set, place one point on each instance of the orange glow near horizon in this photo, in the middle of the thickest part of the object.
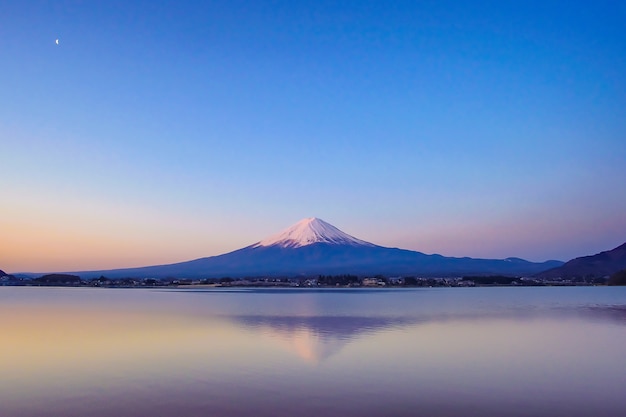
(89, 237)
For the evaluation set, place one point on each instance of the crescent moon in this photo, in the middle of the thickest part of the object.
(57, 41)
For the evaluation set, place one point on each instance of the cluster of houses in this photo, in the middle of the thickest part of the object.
(321, 281)
(377, 281)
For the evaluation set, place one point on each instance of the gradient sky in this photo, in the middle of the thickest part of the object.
(157, 132)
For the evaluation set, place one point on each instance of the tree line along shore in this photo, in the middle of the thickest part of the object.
(68, 280)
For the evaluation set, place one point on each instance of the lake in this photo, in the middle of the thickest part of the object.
(540, 351)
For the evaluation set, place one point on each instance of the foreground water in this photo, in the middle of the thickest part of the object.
(424, 352)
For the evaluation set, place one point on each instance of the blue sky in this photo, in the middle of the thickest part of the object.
(158, 132)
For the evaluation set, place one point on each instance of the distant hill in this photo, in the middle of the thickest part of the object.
(52, 279)
(599, 265)
(618, 278)
(313, 247)
(4, 277)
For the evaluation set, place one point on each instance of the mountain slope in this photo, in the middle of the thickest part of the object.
(598, 265)
(313, 247)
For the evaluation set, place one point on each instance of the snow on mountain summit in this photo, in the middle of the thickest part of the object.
(309, 231)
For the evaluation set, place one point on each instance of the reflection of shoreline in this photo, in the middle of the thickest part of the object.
(615, 314)
(315, 339)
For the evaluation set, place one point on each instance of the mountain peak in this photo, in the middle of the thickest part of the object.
(309, 231)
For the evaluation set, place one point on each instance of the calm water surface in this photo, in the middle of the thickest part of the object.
(423, 352)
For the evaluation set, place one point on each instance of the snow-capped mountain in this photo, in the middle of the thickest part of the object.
(313, 247)
(309, 231)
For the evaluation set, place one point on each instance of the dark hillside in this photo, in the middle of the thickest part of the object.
(599, 265)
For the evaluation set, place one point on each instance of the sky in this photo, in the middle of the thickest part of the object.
(158, 132)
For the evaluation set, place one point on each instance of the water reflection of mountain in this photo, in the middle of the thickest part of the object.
(319, 337)
(316, 338)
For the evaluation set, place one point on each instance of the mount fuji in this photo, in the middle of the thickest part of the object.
(313, 247)
(308, 232)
